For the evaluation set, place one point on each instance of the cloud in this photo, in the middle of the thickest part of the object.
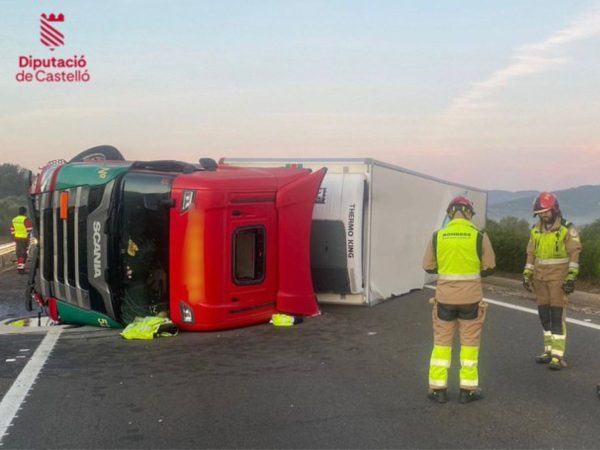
(527, 60)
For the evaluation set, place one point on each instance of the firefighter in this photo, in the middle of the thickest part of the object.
(551, 271)
(460, 254)
(20, 229)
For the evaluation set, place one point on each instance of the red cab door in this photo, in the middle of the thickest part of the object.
(252, 260)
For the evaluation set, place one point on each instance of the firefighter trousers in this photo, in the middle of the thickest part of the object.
(469, 321)
(21, 251)
(552, 310)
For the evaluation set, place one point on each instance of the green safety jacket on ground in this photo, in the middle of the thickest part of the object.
(149, 328)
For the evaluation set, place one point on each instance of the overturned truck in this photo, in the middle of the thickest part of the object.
(212, 246)
(371, 223)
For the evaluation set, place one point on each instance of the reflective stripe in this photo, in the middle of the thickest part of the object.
(439, 362)
(459, 277)
(545, 262)
(573, 265)
(559, 342)
(529, 266)
(468, 366)
(441, 356)
(547, 341)
(468, 362)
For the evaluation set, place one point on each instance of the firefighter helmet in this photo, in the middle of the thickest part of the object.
(461, 204)
(546, 201)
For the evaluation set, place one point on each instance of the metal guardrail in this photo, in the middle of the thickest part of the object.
(7, 252)
(7, 248)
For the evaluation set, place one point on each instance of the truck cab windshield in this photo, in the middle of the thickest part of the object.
(143, 244)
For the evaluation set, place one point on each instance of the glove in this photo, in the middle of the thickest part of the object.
(568, 286)
(527, 283)
(486, 273)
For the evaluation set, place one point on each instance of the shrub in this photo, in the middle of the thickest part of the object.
(509, 238)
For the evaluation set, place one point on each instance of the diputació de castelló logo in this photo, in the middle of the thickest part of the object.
(54, 69)
(50, 36)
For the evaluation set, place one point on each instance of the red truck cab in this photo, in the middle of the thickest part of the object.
(239, 246)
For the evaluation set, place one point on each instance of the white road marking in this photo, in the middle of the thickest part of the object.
(532, 311)
(10, 404)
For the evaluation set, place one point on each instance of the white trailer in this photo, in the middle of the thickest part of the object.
(371, 224)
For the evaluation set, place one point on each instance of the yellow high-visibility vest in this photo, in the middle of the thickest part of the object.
(19, 227)
(550, 246)
(458, 251)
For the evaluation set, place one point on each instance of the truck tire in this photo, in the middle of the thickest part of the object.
(99, 153)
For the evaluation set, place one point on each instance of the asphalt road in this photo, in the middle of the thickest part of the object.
(351, 378)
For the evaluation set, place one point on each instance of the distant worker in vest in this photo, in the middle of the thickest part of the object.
(460, 254)
(551, 271)
(21, 230)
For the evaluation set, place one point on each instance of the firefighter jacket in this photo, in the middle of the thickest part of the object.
(552, 252)
(21, 227)
(459, 252)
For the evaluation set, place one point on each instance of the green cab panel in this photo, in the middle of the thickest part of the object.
(78, 316)
(91, 174)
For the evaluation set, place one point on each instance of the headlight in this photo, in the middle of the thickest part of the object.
(187, 314)
(187, 200)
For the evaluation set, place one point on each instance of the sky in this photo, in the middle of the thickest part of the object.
(491, 94)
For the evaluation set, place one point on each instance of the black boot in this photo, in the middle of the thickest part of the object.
(468, 396)
(544, 358)
(438, 395)
(557, 363)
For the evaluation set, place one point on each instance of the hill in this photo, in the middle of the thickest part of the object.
(580, 205)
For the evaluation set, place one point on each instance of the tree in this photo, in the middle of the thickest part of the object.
(14, 180)
(589, 261)
(9, 208)
(509, 238)
(14, 184)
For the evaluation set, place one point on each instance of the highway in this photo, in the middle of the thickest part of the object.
(351, 378)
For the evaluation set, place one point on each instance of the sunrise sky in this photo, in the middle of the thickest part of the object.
(497, 95)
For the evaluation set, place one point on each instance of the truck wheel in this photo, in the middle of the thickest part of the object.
(99, 153)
